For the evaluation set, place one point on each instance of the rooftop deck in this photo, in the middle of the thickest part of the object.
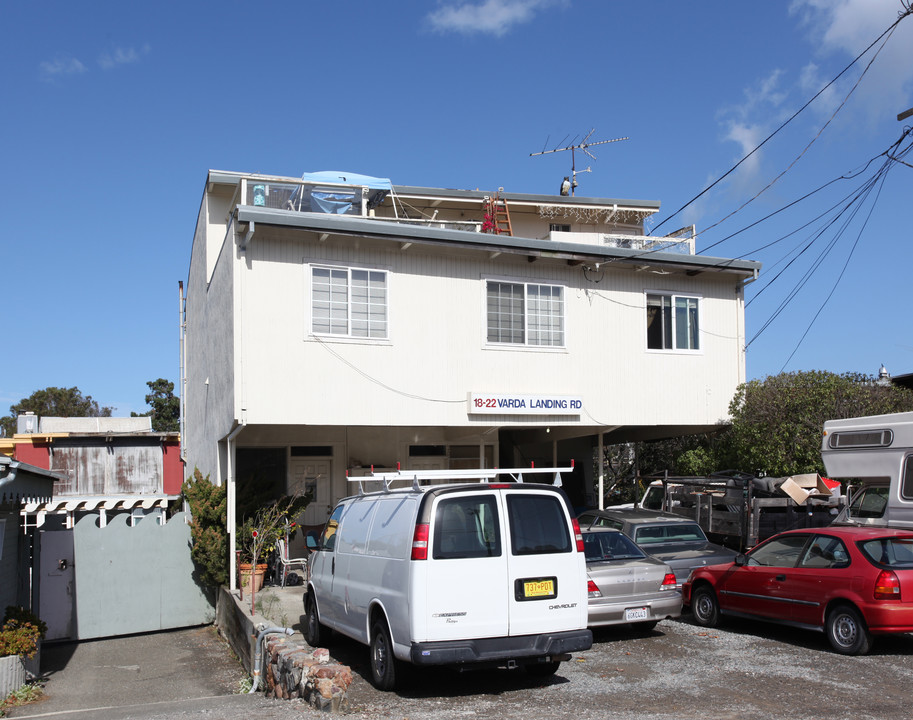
(584, 221)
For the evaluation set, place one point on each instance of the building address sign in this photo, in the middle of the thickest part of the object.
(524, 404)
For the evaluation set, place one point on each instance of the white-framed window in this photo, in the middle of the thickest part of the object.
(525, 313)
(673, 322)
(348, 302)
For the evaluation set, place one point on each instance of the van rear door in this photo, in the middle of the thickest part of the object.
(464, 579)
(546, 574)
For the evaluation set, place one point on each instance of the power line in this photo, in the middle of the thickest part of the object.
(907, 11)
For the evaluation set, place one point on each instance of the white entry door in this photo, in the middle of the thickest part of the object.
(315, 476)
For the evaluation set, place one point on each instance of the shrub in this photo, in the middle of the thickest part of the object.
(209, 538)
(21, 632)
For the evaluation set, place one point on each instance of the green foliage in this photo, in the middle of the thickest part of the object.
(260, 531)
(28, 693)
(696, 461)
(208, 530)
(777, 422)
(54, 402)
(685, 455)
(776, 425)
(166, 408)
(21, 632)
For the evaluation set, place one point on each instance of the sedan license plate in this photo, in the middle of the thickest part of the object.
(542, 588)
(635, 614)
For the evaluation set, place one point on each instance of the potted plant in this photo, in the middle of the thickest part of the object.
(20, 644)
(259, 533)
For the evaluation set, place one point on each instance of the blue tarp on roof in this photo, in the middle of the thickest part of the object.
(347, 178)
(340, 201)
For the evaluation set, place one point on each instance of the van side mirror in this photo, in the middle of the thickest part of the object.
(311, 542)
(740, 560)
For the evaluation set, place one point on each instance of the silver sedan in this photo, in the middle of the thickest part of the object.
(627, 586)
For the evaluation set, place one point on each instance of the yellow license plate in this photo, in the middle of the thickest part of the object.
(539, 588)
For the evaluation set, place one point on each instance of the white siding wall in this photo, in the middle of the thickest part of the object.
(437, 352)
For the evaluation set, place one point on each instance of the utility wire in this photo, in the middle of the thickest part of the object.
(907, 11)
(378, 382)
(839, 277)
(849, 211)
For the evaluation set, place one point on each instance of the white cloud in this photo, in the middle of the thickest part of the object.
(62, 66)
(744, 124)
(493, 17)
(847, 27)
(120, 56)
(839, 30)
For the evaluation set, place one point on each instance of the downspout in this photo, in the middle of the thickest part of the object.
(258, 653)
(231, 487)
(231, 498)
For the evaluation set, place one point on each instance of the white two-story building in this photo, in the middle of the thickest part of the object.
(336, 322)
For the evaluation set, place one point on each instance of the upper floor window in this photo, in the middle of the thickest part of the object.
(672, 322)
(525, 313)
(349, 302)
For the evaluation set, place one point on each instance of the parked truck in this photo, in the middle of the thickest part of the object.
(740, 510)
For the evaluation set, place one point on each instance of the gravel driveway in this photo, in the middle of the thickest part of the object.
(744, 670)
(679, 671)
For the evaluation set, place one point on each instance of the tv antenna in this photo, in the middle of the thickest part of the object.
(570, 184)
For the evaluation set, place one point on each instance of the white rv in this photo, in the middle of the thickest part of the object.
(874, 456)
(462, 574)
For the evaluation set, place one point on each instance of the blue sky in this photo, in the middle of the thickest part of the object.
(113, 113)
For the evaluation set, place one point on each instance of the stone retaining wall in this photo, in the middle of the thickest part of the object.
(290, 667)
(293, 669)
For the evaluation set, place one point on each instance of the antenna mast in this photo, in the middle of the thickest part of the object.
(582, 146)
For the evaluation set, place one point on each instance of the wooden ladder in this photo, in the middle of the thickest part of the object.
(500, 216)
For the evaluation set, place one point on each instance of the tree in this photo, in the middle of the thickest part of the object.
(777, 422)
(166, 408)
(54, 402)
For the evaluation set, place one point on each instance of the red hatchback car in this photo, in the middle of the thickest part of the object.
(851, 582)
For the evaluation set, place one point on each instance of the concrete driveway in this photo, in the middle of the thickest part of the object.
(140, 675)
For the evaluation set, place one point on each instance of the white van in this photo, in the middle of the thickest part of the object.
(466, 575)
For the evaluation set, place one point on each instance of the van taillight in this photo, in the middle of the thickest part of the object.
(420, 543)
(578, 536)
(887, 586)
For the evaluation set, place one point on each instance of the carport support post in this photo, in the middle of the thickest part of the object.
(600, 452)
(231, 504)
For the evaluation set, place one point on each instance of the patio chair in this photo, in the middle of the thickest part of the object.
(286, 563)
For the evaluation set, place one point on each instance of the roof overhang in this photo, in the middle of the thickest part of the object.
(21, 482)
(574, 253)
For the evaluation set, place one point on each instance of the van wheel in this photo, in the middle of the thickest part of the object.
(541, 670)
(846, 631)
(314, 631)
(704, 606)
(383, 663)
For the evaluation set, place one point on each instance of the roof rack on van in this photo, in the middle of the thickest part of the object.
(483, 475)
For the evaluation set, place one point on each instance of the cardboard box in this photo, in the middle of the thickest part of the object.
(801, 487)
